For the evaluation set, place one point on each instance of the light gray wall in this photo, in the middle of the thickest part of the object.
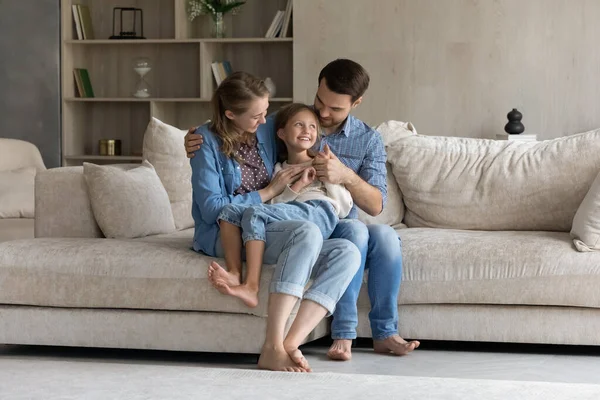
(30, 74)
(456, 67)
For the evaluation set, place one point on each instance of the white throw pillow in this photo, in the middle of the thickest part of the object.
(17, 198)
(164, 149)
(128, 204)
(393, 212)
(586, 223)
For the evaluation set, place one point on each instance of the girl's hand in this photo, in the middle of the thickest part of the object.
(279, 182)
(308, 177)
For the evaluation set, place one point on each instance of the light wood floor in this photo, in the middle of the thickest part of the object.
(569, 364)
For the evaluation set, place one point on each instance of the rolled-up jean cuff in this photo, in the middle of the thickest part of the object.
(248, 237)
(383, 336)
(322, 299)
(343, 335)
(287, 288)
(225, 217)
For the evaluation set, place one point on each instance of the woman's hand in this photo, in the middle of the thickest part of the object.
(279, 182)
(308, 177)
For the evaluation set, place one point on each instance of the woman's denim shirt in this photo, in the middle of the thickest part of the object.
(216, 177)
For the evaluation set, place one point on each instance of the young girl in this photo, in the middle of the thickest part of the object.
(307, 199)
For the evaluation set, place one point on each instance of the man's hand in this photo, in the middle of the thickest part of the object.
(192, 142)
(330, 169)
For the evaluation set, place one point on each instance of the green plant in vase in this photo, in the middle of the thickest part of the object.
(216, 9)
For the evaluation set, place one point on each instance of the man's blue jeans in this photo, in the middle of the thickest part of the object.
(381, 254)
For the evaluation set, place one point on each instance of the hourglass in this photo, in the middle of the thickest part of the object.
(142, 66)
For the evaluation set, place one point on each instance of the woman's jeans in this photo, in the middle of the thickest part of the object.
(300, 253)
(381, 253)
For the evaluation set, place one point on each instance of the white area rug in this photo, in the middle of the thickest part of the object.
(50, 379)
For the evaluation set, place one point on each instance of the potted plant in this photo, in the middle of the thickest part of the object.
(216, 9)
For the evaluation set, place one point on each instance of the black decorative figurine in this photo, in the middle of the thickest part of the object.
(514, 125)
(132, 33)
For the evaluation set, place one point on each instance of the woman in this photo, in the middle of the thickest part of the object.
(235, 166)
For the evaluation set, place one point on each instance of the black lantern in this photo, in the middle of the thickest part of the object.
(132, 32)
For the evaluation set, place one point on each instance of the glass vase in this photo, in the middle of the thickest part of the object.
(218, 28)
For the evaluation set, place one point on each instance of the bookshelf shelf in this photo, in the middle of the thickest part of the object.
(181, 80)
(179, 41)
(156, 100)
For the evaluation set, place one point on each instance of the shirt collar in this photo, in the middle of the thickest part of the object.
(263, 134)
(346, 127)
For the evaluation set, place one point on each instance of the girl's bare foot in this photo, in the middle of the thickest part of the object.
(247, 294)
(340, 350)
(275, 358)
(297, 357)
(395, 345)
(216, 272)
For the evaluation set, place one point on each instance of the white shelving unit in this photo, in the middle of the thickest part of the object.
(181, 78)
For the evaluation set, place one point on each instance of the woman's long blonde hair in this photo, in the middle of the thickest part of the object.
(235, 94)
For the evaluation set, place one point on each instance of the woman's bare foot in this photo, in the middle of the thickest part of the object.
(275, 358)
(340, 350)
(243, 292)
(297, 357)
(216, 272)
(395, 345)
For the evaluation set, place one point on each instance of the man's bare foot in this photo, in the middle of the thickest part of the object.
(395, 345)
(340, 350)
(248, 295)
(297, 357)
(216, 272)
(275, 358)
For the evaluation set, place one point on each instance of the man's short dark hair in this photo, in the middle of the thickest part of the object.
(345, 76)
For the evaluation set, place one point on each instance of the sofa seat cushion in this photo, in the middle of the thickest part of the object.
(445, 266)
(157, 273)
(16, 228)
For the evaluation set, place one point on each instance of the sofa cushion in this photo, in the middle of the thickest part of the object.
(163, 148)
(445, 266)
(462, 183)
(128, 204)
(393, 211)
(16, 228)
(17, 193)
(586, 224)
(155, 272)
(62, 204)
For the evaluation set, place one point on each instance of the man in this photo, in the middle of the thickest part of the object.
(358, 162)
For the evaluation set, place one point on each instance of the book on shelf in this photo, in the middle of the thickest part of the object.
(83, 84)
(275, 24)
(285, 28)
(77, 21)
(83, 22)
(221, 70)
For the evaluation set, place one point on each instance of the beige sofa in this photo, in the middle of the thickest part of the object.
(19, 163)
(487, 257)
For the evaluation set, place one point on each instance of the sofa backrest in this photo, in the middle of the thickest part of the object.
(462, 183)
(62, 204)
